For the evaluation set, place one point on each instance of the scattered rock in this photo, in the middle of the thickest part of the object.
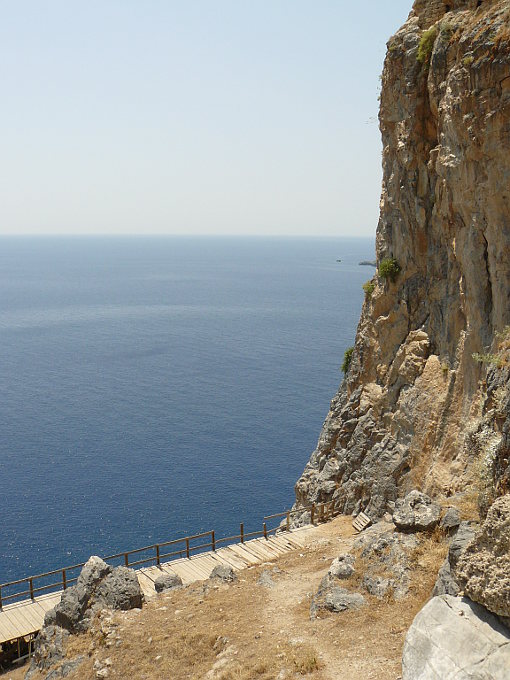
(167, 582)
(223, 573)
(455, 638)
(483, 569)
(450, 520)
(416, 512)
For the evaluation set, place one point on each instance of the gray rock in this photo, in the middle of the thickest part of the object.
(445, 583)
(377, 585)
(99, 586)
(167, 582)
(342, 566)
(455, 639)
(416, 512)
(450, 520)
(119, 590)
(387, 554)
(483, 569)
(223, 573)
(340, 600)
(49, 649)
(463, 537)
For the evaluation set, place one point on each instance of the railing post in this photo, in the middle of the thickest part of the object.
(0, 599)
(265, 531)
(187, 547)
(242, 532)
(158, 561)
(64, 579)
(31, 582)
(213, 541)
(288, 520)
(312, 514)
(321, 512)
(126, 559)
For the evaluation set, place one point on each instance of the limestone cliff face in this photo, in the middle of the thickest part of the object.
(415, 408)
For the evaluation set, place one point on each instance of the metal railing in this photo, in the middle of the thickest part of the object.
(68, 575)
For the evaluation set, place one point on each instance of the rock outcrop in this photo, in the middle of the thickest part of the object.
(483, 569)
(416, 512)
(452, 638)
(99, 587)
(446, 583)
(416, 409)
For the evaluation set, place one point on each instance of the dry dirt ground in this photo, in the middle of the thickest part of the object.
(250, 631)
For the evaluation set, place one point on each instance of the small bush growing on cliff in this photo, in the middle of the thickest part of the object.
(368, 287)
(426, 44)
(502, 356)
(347, 359)
(389, 268)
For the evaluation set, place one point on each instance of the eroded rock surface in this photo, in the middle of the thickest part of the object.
(453, 638)
(413, 410)
(416, 512)
(483, 569)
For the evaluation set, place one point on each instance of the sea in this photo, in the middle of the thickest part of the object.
(156, 387)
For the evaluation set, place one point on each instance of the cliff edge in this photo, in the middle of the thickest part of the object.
(416, 408)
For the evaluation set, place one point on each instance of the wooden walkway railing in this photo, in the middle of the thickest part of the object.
(62, 578)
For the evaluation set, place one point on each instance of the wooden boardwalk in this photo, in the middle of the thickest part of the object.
(24, 619)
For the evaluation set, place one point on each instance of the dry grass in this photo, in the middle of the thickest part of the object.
(246, 631)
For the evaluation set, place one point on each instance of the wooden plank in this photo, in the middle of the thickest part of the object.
(260, 554)
(246, 556)
(275, 548)
(229, 557)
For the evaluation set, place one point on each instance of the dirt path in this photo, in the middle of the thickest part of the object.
(259, 628)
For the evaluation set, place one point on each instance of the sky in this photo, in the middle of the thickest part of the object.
(192, 116)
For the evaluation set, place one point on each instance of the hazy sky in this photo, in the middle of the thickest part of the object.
(192, 116)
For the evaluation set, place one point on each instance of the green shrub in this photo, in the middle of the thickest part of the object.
(347, 359)
(368, 287)
(426, 44)
(389, 268)
(468, 60)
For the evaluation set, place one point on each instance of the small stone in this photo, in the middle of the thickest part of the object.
(223, 573)
(167, 582)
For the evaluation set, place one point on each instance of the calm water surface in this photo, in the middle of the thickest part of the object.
(156, 387)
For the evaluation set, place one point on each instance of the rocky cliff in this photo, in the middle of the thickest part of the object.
(416, 408)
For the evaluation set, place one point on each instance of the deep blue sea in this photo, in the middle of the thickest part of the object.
(156, 387)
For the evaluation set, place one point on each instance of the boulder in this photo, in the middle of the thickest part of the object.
(483, 569)
(452, 639)
(340, 600)
(223, 573)
(167, 582)
(342, 566)
(99, 586)
(416, 512)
